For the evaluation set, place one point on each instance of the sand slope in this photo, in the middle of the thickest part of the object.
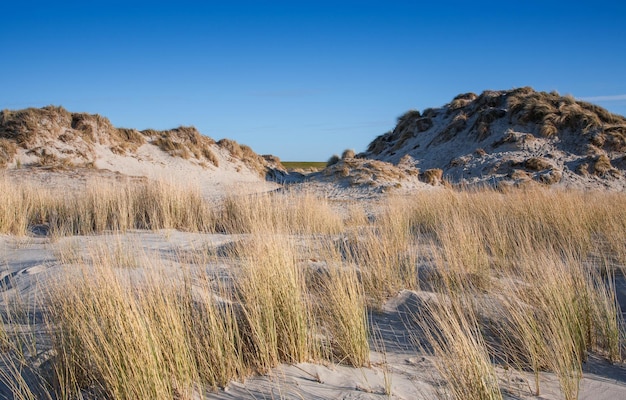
(50, 142)
(515, 136)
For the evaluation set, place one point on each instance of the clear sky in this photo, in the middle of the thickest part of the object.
(301, 80)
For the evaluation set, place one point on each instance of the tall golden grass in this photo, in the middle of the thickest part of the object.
(272, 292)
(102, 207)
(286, 213)
(155, 205)
(123, 335)
(157, 333)
(462, 357)
(524, 278)
(541, 257)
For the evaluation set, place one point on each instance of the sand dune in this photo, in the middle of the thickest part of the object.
(512, 137)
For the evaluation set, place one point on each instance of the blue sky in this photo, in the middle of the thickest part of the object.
(301, 80)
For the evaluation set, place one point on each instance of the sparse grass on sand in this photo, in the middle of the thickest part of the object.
(523, 279)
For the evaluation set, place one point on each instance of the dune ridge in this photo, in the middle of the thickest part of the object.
(514, 137)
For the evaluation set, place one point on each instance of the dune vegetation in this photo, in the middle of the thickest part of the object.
(60, 139)
(522, 279)
(511, 137)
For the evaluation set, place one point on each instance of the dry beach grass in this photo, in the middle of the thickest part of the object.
(522, 280)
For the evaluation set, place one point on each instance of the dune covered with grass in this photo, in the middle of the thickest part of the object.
(511, 137)
(52, 142)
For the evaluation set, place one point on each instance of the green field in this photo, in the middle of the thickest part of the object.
(291, 165)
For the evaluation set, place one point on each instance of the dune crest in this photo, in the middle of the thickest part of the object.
(517, 137)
